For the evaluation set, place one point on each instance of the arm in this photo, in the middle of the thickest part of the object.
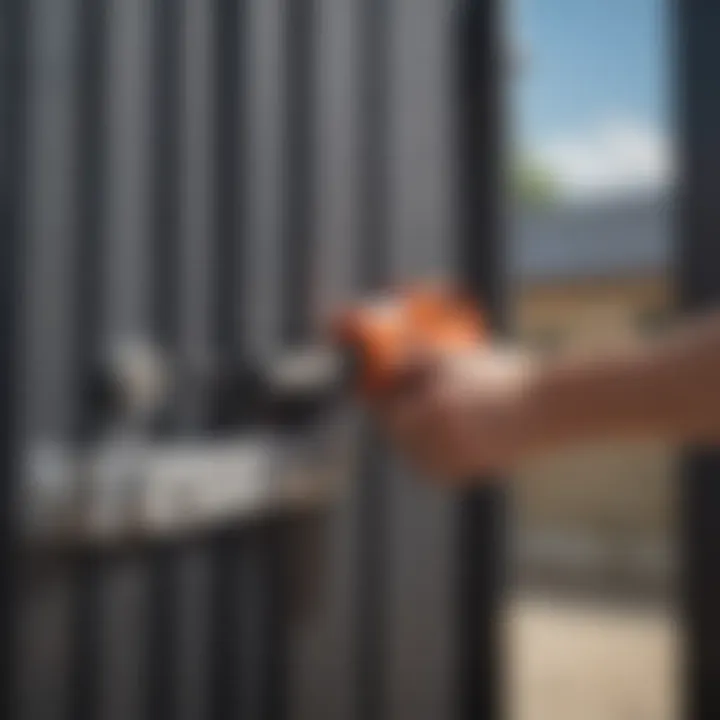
(496, 409)
(667, 390)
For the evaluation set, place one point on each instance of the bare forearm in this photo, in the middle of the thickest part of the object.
(490, 410)
(669, 390)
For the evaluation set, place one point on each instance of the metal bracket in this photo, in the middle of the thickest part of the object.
(130, 490)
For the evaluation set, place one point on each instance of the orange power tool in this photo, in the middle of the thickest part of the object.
(370, 344)
(379, 336)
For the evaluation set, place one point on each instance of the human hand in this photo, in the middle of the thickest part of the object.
(455, 417)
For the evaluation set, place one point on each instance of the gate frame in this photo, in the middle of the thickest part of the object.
(697, 26)
(480, 267)
(13, 146)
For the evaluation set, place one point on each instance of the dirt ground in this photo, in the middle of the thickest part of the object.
(584, 660)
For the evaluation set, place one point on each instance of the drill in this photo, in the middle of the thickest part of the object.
(366, 346)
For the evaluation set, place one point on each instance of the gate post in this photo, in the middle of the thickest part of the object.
(699, 281)
(480, 67)
(13, 90)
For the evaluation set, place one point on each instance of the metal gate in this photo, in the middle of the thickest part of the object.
(187, 185)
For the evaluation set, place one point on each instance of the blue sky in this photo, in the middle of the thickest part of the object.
(597, 74)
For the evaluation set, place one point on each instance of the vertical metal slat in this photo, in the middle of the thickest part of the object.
(162, 620)
(167, 20)
(85, 670)
(298, 258)
(298, 261)
(162, 632)
(274, 668)
(87, 623)
(229, 192)
(225, 691)
(374, 262)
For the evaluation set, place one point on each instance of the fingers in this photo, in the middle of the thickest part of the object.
(421, 427)
(427, 417)
(456, 417)
(406, 418)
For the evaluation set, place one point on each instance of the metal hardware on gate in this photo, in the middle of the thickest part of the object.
(129, 385)
(180, 487)
(289, 391)
(285, 454)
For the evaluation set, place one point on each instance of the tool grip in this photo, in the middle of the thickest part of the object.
(381, 336)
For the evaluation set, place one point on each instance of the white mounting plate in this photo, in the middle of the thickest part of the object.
(130, 489)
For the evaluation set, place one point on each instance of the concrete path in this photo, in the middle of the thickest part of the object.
(582, 660)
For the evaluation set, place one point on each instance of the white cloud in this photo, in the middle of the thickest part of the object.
(616, 156)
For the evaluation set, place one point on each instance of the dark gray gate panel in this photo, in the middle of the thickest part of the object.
(213, 175)
(699, 275)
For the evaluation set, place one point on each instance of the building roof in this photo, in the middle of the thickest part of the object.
(632, 236)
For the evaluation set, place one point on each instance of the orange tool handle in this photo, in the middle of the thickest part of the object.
(382, 335)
